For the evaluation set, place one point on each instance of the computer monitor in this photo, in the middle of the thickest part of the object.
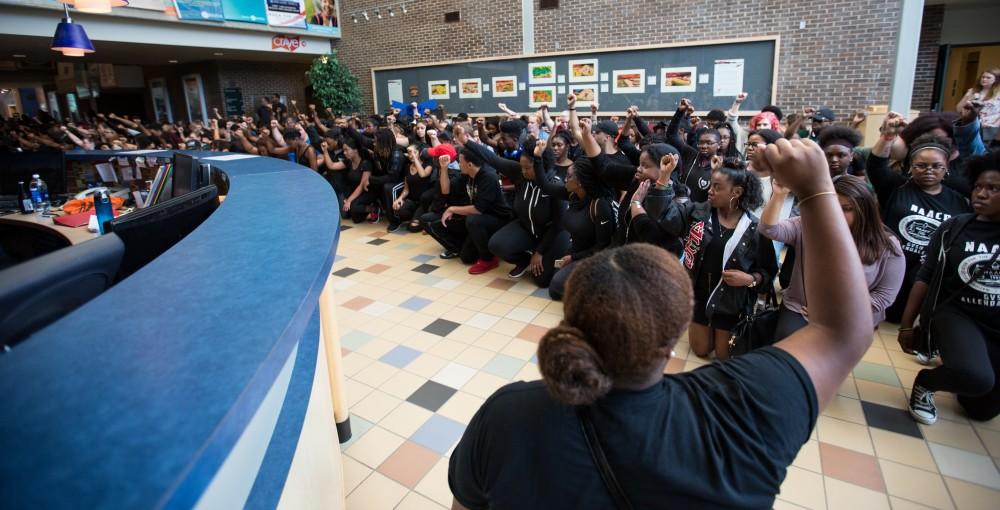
(185, 174)
(35, 293)
(149, 232)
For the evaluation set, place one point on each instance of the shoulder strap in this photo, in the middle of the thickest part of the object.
(597, 453)
(593, 211)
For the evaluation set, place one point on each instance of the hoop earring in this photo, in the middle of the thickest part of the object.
(731, 205)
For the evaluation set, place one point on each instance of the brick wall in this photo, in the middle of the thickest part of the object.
(927, 57)
(257, 79)
(842, 59)
(487, 29)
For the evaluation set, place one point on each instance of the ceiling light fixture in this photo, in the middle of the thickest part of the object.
(403, 7)
(95, 6)
(17, 55)
(378, 13)
(171, 61)
(218, 54)
(70, 38)
(391, 14)
(365, 14)
(354, 18)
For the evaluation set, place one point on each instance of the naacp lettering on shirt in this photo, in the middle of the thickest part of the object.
(918, 227)
(986, 287)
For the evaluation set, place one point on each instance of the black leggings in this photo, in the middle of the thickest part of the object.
(788, 322)
(557, 287)
(468, 236)
(514, 244)
(970, 354)
(390, 191)
(415, 207)
(359, 207)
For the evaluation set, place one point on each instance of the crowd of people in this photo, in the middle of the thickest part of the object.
(589, 206)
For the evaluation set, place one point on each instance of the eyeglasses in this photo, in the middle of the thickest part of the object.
(923, 167)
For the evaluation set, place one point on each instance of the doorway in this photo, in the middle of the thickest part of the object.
(964, 66)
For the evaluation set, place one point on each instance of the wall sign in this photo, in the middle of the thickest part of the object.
(287, 42)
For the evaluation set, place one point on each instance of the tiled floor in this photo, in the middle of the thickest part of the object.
(425, 343)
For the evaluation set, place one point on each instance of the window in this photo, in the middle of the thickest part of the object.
(548, 4)
(452, 17)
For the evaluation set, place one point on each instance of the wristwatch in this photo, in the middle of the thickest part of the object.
(637, 203)
(753, 282)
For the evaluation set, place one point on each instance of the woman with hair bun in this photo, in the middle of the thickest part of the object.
(700, 439)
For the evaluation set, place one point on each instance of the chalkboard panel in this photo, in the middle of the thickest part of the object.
(706, 72)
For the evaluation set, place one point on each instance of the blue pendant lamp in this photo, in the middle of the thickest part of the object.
(70, 38)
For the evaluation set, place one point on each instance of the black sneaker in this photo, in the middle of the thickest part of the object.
(922, 406)
(518, 271)
(394, 226)
(448, 255)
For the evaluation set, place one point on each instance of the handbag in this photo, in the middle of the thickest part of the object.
(597, 453)
(922, 341)
(756, 327)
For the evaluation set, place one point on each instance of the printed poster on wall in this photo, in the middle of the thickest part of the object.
(247, 11)
(728, 77)
(286, 13)
(323, 16)
(200, 10)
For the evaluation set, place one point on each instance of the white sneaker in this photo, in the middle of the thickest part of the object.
(927, 359)
(922, 406)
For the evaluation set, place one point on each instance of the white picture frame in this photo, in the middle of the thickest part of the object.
(542, 73)
(535, 102)
(583, 70)
(671, 79)
(194, 98)
(504, 86)
(584, 99)
(438, 89)
(470, 88)
(628, 81)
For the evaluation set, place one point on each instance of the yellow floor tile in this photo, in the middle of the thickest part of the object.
(466, 334)
(844, 434)
(447, 349)
(475, 357)
(847, 409)
(970, 496)
(375, 374)
(405, 419)
(508, 327)
(355, 362)
(902, 449)
(848, 388)
(803, 488)
(375, 406)
(958, 435)
(493, 341)
(529, 372)
(483, 384)
(520, 349)
(915, 484)
(435, 484)
(355, 391)
(877, 354)
(374, 447)
(460, 407)
(426, 365)
(354, 473)
(414, 501)
(377, 492)
(902, 504)
(846, 496)
(891, 396)
(402, 384)
(808, 457)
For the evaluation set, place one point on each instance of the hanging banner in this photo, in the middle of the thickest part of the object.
(323, 16)
(247, 11)
(200, 10)
(286, 13)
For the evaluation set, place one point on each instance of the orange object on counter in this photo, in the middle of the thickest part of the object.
(87, 204)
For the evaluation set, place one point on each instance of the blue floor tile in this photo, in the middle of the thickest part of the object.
(542, 293)
(400, 356)
(438, 434)
(354, 340)
(415, 303)
(422, 258)
(504, 366)
(428, 280)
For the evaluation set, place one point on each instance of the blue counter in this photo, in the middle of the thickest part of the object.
(137, 399)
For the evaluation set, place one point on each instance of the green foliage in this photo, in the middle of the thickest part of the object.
(333, 84)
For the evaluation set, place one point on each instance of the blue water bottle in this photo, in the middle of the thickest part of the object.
(102, 206)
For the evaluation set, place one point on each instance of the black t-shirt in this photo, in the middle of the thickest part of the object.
(972, 248)
(720, 436)
(354, 175)
(697, 179)
(714, 251)
(620, 158)
(914, 215)
(591, 226)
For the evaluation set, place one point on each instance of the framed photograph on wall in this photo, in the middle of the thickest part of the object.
(438, 89)
(540, 73)
(678, 79)
(470, 88)
(161, 100)
(586, 95)
(628, 81)
(537, 96)
(583, 70)
(504, 86)
(194, 96)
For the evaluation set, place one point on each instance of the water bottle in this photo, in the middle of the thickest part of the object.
(24, 199)
(102, 206)
(39, 194)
